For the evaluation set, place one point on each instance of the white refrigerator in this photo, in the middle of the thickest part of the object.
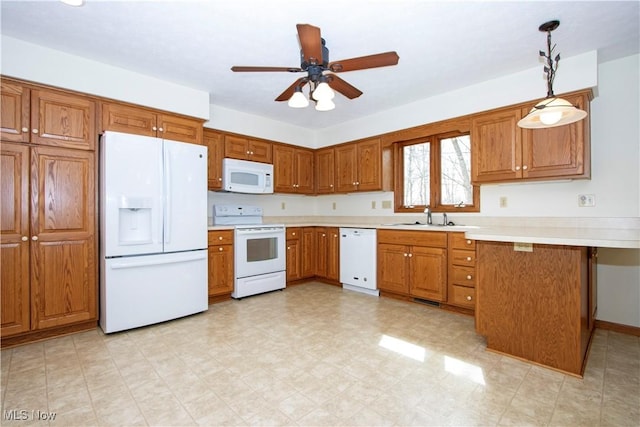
(153, 230)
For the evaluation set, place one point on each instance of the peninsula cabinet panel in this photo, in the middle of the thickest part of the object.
(215, 152)
(325, 171)
(535, 305)
(141, 121)
(63, 258)
(14, 239)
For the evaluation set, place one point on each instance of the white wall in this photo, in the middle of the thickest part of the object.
(55, 68)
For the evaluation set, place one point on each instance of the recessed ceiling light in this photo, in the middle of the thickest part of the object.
(73, 2)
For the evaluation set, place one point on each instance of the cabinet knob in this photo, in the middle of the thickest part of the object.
(219, 237)
(34, 130)
(251, 153)
(468, 242)
(161, 129)
(468, 297)
(24, 238)
(524, 168)
(154, 128)
(354, 183)
(221, 249)
(219, 179)
(468, 258)
(517, 168)
(330, 185)
(25, 129)
(34, 238)
(293, 234)
(468, 277)
(288, 247)
(410, 255)
(406, 254)
(357, 182)
(324, 235)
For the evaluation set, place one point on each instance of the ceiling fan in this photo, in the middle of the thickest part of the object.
(314, 60)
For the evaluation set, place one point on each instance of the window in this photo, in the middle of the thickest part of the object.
(435, 171)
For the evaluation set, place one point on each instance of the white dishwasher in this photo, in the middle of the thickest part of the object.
(358, 260)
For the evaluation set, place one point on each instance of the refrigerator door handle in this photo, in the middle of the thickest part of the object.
(167, 189)
(155, 261)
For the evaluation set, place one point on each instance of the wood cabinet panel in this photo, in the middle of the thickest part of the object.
(301, 252)
(325, 172)
(428, 273)
(221, 262)
(14, 117)
(220, 237)
(333, 254)
(294, 260)
(421, 238)
(305, 171)
(345, 167)
(369, 157)
(14, 239)
(534, 305)
(465, 276)
(462, 257)
(63, 255)
(459, 241)
(308, 242)
(177, 128)
(495, 144)
(321, 239)
(462, 271)
(462, 296)
(215, 152)
(293, 169)
(239, 147)
(393, 272)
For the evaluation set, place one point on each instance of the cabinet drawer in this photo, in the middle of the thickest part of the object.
(436, 239)
(458, 241)
(460, 257)
(294, 233)
(462, 296)
(220, 237)
(463, 275)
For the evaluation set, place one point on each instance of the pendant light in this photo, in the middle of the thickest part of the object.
(551, 111)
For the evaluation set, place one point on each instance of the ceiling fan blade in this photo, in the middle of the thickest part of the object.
(239, 68)
(370, 61)
(288, 92)
(337, 84)
(311, 43)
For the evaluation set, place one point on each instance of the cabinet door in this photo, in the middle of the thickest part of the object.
(283, 169)
(181, 129)
(392, 268)
(215, 152)
(345, 166)
(325, 171)
(122, 118)
(294, 260)
(558, 151)
(14, 120)
(304, 171)
(63, 120)
(322, 240)
(308, 242)
(428, 273)
(14, 239)
(369, 164)
(333, 254)
(236, 147)
(260, 151)
(63, 253)
(220, 269)
(496, 147)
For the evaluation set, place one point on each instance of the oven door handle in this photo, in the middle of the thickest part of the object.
(277, 232)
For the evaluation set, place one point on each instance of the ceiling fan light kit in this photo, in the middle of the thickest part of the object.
(551, 111)
(314, 60)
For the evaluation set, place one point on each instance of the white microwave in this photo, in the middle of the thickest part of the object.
(242, 176)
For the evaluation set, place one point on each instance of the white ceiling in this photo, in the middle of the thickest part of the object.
(443, 45)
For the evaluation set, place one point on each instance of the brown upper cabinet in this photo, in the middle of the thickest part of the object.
(239, 147)
(325, 170)
(142, 121)
(292, 169)
(358, 166)
(215, 151)
(41, 116)
(504, 152)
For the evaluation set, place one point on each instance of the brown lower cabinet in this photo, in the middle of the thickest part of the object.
(49, 261)
(328, 253)
(221, 259)
(413, 263)
(300, 253)
(537, 305)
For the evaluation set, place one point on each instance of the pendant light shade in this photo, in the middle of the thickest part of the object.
(551, 111)
(298, 100)
(325, 105)
(323, 92)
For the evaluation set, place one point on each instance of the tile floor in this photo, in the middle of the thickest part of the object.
(312, 355)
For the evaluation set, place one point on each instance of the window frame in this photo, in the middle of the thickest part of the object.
(435, 179)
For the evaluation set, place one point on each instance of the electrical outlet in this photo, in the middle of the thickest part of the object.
(373, 204)
(503, 202)
(282, 206)
(386, 204)
(586, 200)
(522, 247)
(333, 206)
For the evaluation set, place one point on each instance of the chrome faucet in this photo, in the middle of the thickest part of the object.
(427, 210)
(444, 219)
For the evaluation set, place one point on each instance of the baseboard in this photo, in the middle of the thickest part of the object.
(617, 327)
(34, 336)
